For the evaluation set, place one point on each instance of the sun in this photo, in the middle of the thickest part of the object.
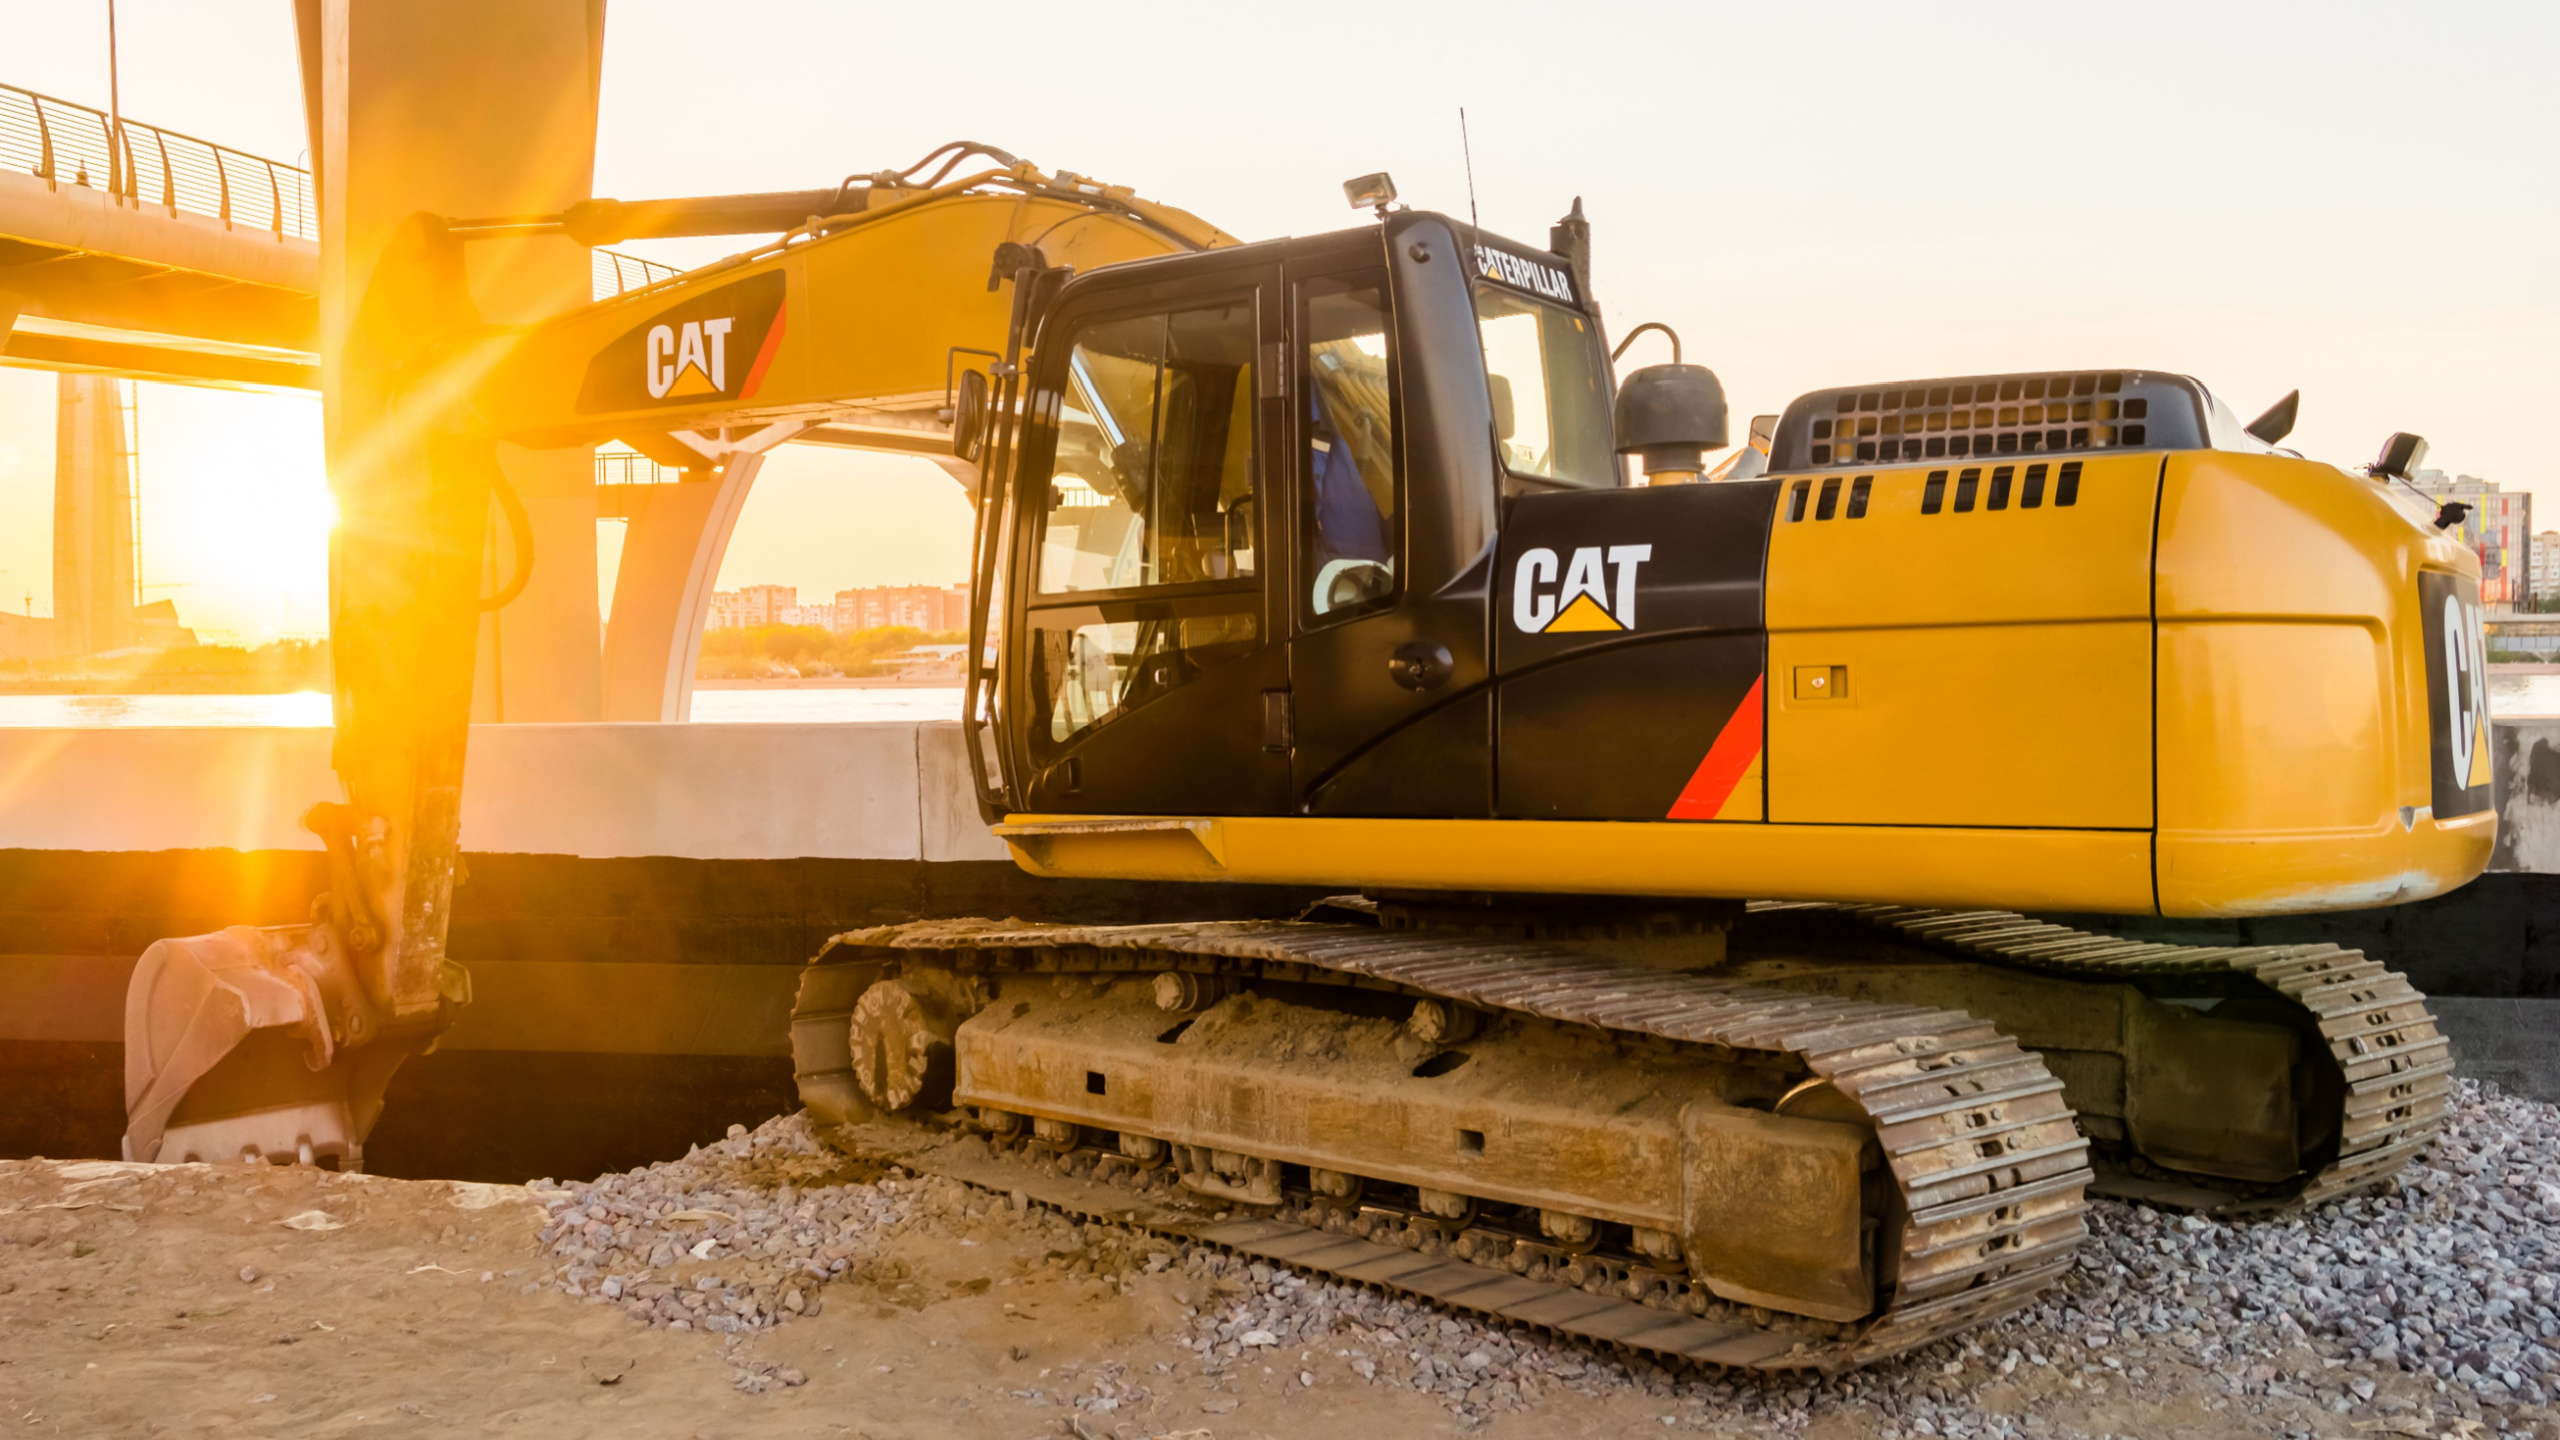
(236, 511)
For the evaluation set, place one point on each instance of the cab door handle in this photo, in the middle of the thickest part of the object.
(1421, 664)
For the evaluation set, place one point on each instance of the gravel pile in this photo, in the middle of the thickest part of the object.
(737, 1235)
(2434, 1309)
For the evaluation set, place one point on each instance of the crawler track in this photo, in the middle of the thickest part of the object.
(2398, 1071)
(1989, 1173)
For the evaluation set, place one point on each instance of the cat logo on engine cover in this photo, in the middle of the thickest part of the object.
(1593, 589)
(2457, 694)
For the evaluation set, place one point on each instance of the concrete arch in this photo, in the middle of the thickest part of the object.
(671, 556)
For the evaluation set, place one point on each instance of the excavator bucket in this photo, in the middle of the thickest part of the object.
(192, 1003)
(252, 1044)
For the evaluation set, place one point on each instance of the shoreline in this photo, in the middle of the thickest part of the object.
(834, 682)
(208, 687)
(186, 685)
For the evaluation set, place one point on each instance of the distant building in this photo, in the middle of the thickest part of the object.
(920, 607)
(2499, 529)
(752, 606)
(97, 608)
(2546, 565)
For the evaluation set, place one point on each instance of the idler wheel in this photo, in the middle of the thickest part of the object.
(901, 1046)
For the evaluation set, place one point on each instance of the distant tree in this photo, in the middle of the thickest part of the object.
(781, 652)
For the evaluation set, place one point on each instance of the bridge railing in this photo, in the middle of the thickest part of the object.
(62, 142)
(616, 272)
(624, 467)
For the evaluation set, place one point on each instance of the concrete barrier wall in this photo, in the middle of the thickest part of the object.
(640, 901)
(885, 791)
(642, 895)
(880, 791)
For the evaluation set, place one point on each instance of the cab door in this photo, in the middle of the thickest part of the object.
(1390, 529)
(1144, 635)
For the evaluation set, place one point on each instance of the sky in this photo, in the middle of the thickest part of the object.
(2358, 200)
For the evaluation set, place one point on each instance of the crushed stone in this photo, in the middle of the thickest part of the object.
(2432, 1309)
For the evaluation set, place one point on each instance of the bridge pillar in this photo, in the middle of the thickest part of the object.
(93, 517)
(468, 108)
(671, 557)
(539, 655)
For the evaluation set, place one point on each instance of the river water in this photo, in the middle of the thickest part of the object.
(310, 708)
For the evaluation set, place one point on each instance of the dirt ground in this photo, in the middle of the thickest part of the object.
(183, 1300)
(186, 1300)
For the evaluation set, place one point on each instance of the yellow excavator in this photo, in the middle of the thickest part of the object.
(1683, 990)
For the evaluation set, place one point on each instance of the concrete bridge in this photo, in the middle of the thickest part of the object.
(131, 251)
(152, 254)
(148, 253)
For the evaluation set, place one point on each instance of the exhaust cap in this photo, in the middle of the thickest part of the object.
(1670, 415)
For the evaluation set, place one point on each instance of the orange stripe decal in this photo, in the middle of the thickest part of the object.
(1726, 761)
(764, 354)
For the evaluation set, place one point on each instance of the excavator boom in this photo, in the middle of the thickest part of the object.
(860, 318)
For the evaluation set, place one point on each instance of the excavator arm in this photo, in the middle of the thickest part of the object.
(851, 329)
(853, 321)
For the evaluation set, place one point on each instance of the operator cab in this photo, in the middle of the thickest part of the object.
(1245, 564)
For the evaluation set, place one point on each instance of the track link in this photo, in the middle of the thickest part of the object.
(2398, 1070)
(1989, 1172)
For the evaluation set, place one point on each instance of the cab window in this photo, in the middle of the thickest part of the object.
(1550, 390)
(1153, 482)
(1146, 557)
(1348, 516)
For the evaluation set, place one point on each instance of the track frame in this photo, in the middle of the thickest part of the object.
(1987, 1173)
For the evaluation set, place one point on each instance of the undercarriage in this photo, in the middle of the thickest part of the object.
(1737, 1174)
(2233, 1080)
(1783, 1138)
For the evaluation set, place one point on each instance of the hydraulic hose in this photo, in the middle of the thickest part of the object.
(520, 527)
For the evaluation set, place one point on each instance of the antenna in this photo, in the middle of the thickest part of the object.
(1468, 150)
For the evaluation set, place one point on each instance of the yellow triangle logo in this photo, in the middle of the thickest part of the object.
(1583, 614)
(2480, 763)
(692, 382)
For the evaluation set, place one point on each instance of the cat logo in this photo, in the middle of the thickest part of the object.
(2466, 694)
(716, 346)
(1598, 589)
(681, 366)
(1522, 273)
(2457, 695)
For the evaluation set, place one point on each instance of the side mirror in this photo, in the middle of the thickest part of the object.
(2277, 423)
(2401, 456)
(969, 416)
